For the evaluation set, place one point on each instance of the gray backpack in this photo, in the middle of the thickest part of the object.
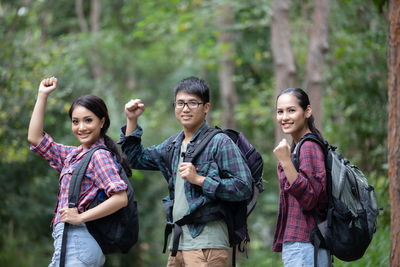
(352, 206)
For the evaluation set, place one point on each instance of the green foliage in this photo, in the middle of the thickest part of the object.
(143, 48)
(356, 92)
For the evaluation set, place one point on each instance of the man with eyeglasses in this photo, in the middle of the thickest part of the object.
(218, 174)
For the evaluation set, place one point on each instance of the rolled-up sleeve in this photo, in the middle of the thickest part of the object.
(51, 151)
(139, 157)
(106, 172)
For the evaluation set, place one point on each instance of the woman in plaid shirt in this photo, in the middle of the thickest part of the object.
(90, 122)
(303, 191)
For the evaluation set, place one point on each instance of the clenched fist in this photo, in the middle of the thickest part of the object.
(188, 172)
(70, 215)
(282, 151)
(48, 85)
(133, 109)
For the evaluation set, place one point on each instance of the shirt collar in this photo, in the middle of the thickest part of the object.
(81, 150)
(179, 138)
(205, 125)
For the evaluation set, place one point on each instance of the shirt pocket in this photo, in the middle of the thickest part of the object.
(66, 172)
(66, 169)
(203, 168)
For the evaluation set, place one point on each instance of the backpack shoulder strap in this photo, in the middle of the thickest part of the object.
(197, 145)
(77, 176)
(201, 215)
(170, 152)
(296, 151)
(233, 134)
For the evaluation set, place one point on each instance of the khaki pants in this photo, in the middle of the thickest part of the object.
(200, 258)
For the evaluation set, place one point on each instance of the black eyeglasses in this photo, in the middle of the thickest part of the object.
(192, 104)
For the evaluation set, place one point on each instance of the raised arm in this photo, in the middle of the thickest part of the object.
(35, 131)
(133, 109)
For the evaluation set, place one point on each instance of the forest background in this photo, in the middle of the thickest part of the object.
(124, 49)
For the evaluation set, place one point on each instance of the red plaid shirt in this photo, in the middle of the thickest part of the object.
(295, 220)
(101, 174)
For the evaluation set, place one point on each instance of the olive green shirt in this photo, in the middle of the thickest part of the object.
(214, 234)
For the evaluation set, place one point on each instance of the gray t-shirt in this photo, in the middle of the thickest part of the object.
(214, 234)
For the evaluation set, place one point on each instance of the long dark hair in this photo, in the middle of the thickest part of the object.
(98, 107)
(304, 101)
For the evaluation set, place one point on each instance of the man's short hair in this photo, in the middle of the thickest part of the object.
(195, 86)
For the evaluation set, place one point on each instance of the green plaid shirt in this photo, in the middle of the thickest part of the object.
(228, 177)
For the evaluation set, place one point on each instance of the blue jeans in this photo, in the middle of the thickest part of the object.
(82, 248)
(301, 254)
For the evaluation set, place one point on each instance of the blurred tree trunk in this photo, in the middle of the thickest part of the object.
(284, 65)
(226, 70)
(95, 11)
(43, 28)
(81, 16)
(204, 76)
(317, 47)
(394, 128)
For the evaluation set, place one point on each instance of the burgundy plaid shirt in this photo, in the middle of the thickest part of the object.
(102, 172)
(295, 220)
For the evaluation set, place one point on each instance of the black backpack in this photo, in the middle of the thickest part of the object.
(233, 213)
(352, 206)
(115, 233)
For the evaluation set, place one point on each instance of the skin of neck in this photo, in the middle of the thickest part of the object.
(299, 135)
